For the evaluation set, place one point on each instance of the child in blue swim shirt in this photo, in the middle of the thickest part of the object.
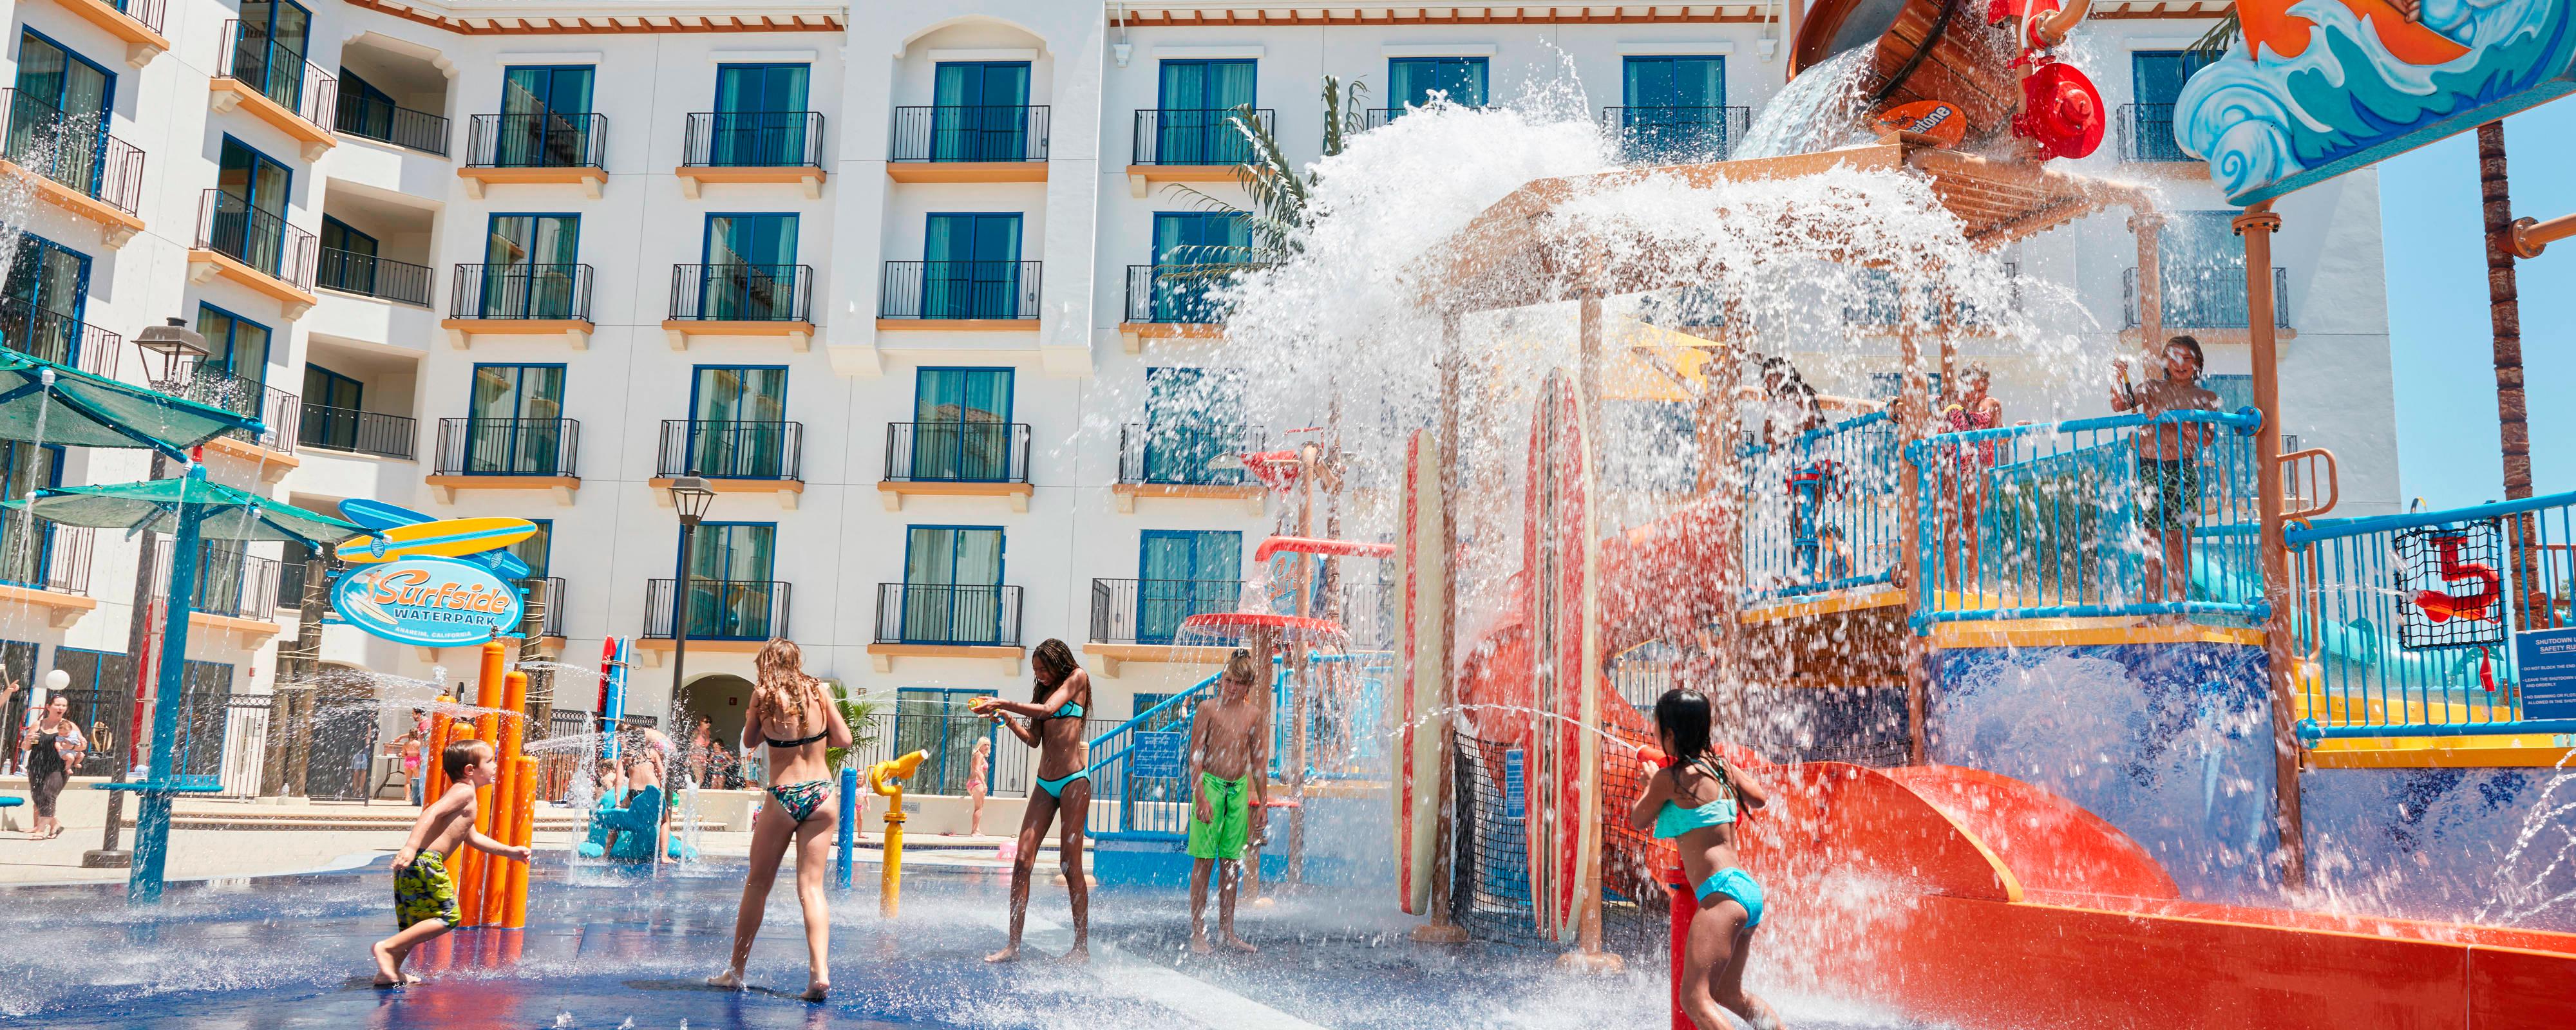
(1694, 803)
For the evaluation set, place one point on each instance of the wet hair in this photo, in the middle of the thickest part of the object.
(1683, 715)
(1975, 373)
(463, 755)
(782, 684)
(2192, 345)
(1053, 662)
(1239, 665)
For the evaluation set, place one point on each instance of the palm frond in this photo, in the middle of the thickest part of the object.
(2220, 38)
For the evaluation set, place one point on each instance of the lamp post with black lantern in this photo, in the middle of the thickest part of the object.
(691, 496)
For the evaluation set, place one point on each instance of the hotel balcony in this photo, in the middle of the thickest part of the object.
(752, 147)
(135, 23)
(2147, 137)
(1172, 301)
(536, 148)
(507, 454)
(237, 594)
(359, 432)
(1139, 620)
(733, 457)
(1676, 135)
(1189, 145)
(372, 118)
(259, 74)
(256, 248)
(1185, 462)
(734, 300)
(57, 337)
(73, 164)
(960, 143)
(2198, 300)
(962, 295)
(280, 415)
(50, 578)
(519, 300)
(956, 459)
(370, 276)
(725, 615)
(941, 620)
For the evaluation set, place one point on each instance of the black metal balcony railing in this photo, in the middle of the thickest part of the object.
(508, 446)
(1184, 455)
(545, 140)
(279, 412)
(74, 150)
(1378, 117)
(364, 432)
(1182, 293)
(720, 609)
(231, 581)
(546, 598)
(970, 133)
(384, 121)
(257, 237)
(2146, 134)
(521, 292)
(957, 452)
(742, 293)
(2211, 297)
(944, 613)
(1149, 611)
(753, 139)
(1879, 306)
(1369, 615)
(147, 12)
(370, 276)
(959, 290)
(1676, 135)
(31, 329)
(1195, 137)
(279, 72)
(732, 450)
(58, 561)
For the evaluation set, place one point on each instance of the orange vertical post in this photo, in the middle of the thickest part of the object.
(523, 825)
(431, 767)
(487, 728)
(506, 793)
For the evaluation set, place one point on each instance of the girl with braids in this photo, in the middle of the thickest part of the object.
(1051, 722)
(790, 712)
(1694, 803)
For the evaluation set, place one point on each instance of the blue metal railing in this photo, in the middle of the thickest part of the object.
(1341, 718)
(2373, 660)
(1140, 778)
(2074, 519)
(1822, 512)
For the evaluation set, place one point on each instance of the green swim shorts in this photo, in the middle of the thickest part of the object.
(2168, 493)
(423, 890)
(1225, 837)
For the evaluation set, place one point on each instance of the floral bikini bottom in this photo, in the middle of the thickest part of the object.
(799, 800)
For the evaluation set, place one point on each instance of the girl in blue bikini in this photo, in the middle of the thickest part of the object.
(1694, 803)
(1052, 723)
(790, 713)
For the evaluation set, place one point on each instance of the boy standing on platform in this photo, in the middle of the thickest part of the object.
(1225, 762)
(424, 894)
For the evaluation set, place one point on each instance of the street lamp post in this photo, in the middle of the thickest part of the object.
(691, 496)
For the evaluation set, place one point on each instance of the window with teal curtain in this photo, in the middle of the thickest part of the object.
(58, 124)
(962, 424)
(249, 223)
(538, 550)
(982, 111)
(2156, 78)
(731, 565)
(540, 124)
(1414, 80)
(1190, 123)
(1181, 573)
(2203, 266)
(238, 348)
(1184, 238)
(268, 54)
(971, 266)
(760, 115)
(1192, 417)
(514, 424)
(952, 579)
(750, 270)
(47, 293)
(737, 421)
(529, 266)
(24, 542)
(1676, 107)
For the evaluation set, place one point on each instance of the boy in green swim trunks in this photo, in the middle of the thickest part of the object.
(424, 894)
(1225, 761)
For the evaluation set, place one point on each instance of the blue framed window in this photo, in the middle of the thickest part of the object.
(1185, 572)
(737, 421)
(971, 265)
(26, 545)
(760, 115)
(1414, 80)
(1193, 417)
(514, 424)
(532, 267)
(44, 301)
(1183, 238)
(2155, 82)
(268, 53)
(1676, 107)
(732, 584)
(750, 269)
(349, 257)
(235, 346)
(952, 585)
(248, 223)
(982, 111)
(545, 119)
(1195, 98)
(58, 123)
(2203, 267)
(962, 424)
(935, 720)
(538, 550)
(364, 109)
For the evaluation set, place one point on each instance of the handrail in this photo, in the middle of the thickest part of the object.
(1130, 725)
(2245, 420)
(2416, 520)
(2333, 482)
(1810, 436)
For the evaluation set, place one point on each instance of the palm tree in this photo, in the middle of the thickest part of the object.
(1279, 195)
(862, 717)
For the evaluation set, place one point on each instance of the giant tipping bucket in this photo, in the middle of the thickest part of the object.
(1987, 62)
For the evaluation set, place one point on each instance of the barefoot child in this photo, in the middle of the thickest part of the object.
(424, 896)
(977, 785)
(1693, 803)
(1225, 745)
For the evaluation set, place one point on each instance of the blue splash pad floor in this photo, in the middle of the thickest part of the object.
(604, 947)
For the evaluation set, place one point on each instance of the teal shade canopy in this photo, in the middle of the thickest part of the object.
(82, 410)
(225, 513)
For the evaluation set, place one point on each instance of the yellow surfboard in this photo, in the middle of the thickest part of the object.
(446, 538)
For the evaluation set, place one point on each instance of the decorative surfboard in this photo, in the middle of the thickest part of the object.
(379, 516)
(1421, 726)
(1558, 559)
(614, 655)
(446, 538)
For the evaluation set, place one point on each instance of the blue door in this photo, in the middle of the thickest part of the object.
(962, 425)
(1676, 108)
(1187, 238)
(760, 115)
(952, 585)
(44, 299)
(514, 424)
(1193, 417)
(531, 268)
(2156, 78)
(738, 422)
(1190, 125)
(1415, 80)
(1180, 573)
(971, 266)
(545, 119)
(26, 544)
(750, 271)
(58, 123)
(982, 112)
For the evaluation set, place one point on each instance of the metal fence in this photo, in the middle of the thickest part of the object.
(1140, 782)
(1821, 512)
(1676, 135)
(229, 225)
(957, 452)
(1149, 611)
(1181, 293)
(384, 121)
(370, 276)
(2206, 297)
(364, 432)
(950, 740)
(546, 599)
(148, 12)
(542, 140)
(58, 562)
(31, 329)
(274, 70)
(952, 290)
(753, 139)
(731, 449)
(1489, 891)
(1198, 136)
(948, 614)
(508, 446)
(2414, 625)
(547, 292)
(721, 609)
(280, 413)
(1187, 454)
(957, 132)
(2146, 134)
(230, 580)
(2081, 518)
(74, 150)
(742, 293)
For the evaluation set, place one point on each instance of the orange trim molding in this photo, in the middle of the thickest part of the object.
(1683, 14)
(224, 94)
(882, 656)
(693, 178)
(893, 491)
(1124, 495)
(546, 26)
(1111, 656)
(591, 178)
(462, 331)
(205, 265)
(114, 226)
(141, 43)
(446, 486)
(800, 335)
(1136, 333)
(273, 464)
(787, 490)
(966, 171)
(60, 609)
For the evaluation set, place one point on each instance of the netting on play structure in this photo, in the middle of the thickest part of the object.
(2452, 581)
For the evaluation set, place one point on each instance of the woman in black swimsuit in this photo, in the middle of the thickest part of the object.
(790, 713)
(54, 746)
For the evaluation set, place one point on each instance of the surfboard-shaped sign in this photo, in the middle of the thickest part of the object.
(446, 538)
(379, 515)
(429, 602)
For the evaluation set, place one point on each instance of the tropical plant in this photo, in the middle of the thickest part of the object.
(860, 714)
(2220, 38)
(1280, 195)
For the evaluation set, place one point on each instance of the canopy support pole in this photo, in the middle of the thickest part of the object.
(2256, 225)
(152, 820)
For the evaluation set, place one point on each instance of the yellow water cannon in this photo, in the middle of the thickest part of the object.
(886, 779)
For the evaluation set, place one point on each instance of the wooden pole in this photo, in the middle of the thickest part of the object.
(1443, 846)
(1913, 414)
(2256, 225)
(2148, 227)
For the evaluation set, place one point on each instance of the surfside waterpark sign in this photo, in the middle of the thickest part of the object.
(431, 582)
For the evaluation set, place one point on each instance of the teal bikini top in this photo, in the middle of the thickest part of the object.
(1674, 820)
(1071, 710)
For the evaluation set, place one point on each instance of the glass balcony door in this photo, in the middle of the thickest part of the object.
(971, 265)
(750, 268)
(538, 128)
(1181, 573)
(249, 223)
(952, 579)
(760, 115)
(269, 52)
(736, 418)
(58, 125)
(1676, 106)
(26, 542)
(529, 266)
(981, 112)
(331, 408)
(516, 423)
(47, 292)
(962, 430)
(237, 358)
(1196, 96)
(1189, 238)
(1415, 80)
(730, 566)
(1192, 418)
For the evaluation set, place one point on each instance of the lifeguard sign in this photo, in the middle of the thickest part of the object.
(431, 582)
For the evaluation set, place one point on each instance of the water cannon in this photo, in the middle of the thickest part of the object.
(882, 776)
(886, 779)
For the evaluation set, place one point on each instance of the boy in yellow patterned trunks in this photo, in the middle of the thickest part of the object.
(424, 895)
